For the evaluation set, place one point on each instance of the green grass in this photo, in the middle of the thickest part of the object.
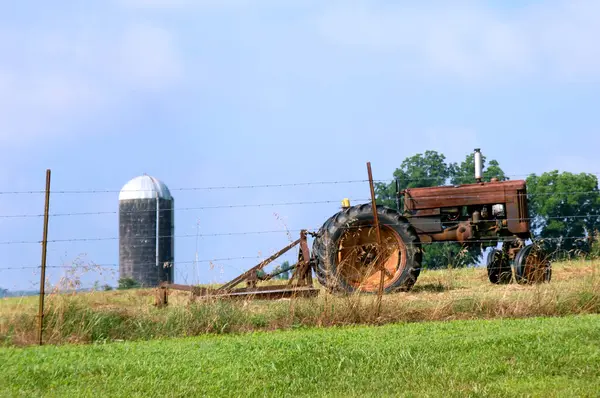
(543, 357)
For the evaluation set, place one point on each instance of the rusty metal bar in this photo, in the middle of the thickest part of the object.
(378, 232)
(43, 265)
(275, 273)
(164, 297)
(305, 275)
(267, 292)
(197, 290)
(251, 289)
(257, 267)
(302, 272)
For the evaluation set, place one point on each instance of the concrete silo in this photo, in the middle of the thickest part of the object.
(146, 231)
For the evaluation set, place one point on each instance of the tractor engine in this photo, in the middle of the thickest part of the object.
(485, 211)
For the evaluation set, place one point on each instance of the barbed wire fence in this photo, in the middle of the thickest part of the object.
(233, 206)
(112, 267)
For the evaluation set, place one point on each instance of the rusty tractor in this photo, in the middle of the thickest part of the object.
(348, 257)
(370, 248)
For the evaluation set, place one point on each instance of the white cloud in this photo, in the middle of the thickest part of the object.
(56, 78)
(555, 39)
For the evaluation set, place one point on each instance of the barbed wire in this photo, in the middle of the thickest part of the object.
(154, 236)
(251, 205)
(495, 193)
(255, 257)
(113, 265)
(245, 233)
(213, 188)
(233, 187)
(178, 209)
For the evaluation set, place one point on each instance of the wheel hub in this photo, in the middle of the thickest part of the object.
(367, 254)
(361, 260)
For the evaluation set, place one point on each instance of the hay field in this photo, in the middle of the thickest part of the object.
(437, 296)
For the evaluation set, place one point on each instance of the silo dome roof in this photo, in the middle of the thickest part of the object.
(144, 187)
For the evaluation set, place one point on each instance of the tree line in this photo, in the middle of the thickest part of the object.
(563, 206)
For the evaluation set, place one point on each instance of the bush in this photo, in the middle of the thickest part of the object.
(128, 283)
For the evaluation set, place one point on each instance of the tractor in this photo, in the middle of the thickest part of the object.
(349, 256)
(370, 248)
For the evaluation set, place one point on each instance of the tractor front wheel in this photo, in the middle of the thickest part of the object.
(498, 267)
(532, 265)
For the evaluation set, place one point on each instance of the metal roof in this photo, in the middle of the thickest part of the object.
(144, 187)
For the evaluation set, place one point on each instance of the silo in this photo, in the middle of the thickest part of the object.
(146, 231)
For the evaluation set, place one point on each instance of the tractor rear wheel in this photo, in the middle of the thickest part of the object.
(532, 265)
(348, 259)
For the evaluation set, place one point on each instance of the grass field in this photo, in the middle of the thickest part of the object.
(545, 357)
(438, 295)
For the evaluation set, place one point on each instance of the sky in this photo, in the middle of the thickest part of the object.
(214, 93)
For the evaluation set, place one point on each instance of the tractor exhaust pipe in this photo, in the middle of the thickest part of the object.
(478, 165)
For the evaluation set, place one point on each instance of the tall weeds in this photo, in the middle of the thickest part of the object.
(438, 295)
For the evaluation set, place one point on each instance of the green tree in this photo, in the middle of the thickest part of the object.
(128, 283)
(429, 170)
(284, 275)
(464, 173)
(421, 170)
(564, 207)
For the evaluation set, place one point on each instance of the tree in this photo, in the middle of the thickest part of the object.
(465, 172)
(3, 292)
(564, 207)
(284, 275)
(429, 170)
(421, 170)
(128, 283)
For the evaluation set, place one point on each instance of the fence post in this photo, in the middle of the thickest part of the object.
(43, 270)
(378, 234)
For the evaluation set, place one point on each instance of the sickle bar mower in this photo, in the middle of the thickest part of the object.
(300, 283)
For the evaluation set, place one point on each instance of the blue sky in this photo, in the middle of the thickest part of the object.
(238, 92)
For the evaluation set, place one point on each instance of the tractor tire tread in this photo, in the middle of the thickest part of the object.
(326, 242)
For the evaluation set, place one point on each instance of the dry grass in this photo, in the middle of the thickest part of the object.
(437, 295)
